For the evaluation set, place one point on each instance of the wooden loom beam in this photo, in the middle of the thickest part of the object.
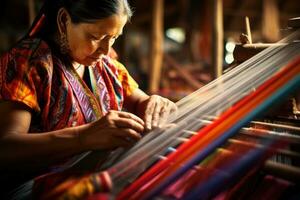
(156, 52)
(31, 11)
(218, 36)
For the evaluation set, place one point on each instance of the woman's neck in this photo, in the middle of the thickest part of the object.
(79, 68)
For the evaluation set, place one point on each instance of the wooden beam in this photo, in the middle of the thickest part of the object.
(248, 29)
(217, 38)
(156, 52)
(145, 17)
(270, 21)
(243, 52)
(31, 11)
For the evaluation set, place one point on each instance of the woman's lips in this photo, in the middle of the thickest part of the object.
(93, 59)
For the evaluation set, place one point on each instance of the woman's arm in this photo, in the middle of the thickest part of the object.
(20, 149)
(134, 100)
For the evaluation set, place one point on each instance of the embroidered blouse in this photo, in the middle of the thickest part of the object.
(31, 74)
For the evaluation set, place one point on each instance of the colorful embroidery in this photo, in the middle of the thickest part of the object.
(31, 74)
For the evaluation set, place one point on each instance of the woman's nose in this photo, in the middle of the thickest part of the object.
(104, 47)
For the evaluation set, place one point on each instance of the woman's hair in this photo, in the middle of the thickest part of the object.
(81, 11)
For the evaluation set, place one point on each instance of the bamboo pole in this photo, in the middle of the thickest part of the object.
(248, 29)
(156, 52)
(31, 11)
(217, 38)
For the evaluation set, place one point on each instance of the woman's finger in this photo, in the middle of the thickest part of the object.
(148, 114)
(173, 107)
(156, 114)
(164, 114)
(124, 114)
(128, 134)
(129, 123)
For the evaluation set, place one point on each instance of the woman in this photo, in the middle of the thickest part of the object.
(61, 94)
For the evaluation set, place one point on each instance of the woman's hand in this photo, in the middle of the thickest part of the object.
(155, 111)
(115, 129)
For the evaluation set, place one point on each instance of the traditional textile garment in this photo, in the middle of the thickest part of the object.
(30, 73)
(33, 74)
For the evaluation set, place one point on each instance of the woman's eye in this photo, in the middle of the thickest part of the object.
(94, 38)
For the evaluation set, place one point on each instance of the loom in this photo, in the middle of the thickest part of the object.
(217, 142)
(215, 122)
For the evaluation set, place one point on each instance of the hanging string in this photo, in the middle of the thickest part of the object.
(265, 67)
(182, 156)
(205, 101)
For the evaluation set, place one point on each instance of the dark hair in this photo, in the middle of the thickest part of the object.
(81, 11)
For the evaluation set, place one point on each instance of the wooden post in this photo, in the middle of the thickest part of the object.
(156, 52)
(31, 11)
(270, 21)
(217, 38)
(248, 29)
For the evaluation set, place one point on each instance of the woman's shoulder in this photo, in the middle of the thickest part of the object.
(27, 50)
(27, 55)
(31, 47)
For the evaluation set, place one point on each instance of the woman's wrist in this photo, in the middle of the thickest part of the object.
(80, 132)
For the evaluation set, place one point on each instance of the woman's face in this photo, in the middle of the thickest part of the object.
(89, 41)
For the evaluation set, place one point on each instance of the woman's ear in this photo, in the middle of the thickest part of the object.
(62, 20)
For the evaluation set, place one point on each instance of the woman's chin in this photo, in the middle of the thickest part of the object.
(90, 61)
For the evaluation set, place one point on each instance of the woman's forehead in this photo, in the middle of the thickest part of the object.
(111, 25)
